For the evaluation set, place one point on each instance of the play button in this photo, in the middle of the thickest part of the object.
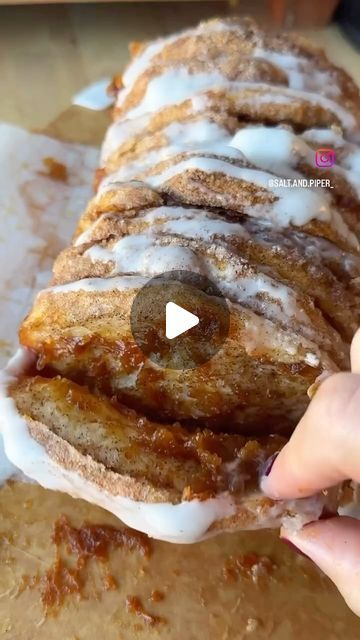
(179, 319)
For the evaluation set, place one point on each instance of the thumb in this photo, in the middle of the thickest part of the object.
(334, 545)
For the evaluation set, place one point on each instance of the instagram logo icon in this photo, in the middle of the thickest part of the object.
(325, 158)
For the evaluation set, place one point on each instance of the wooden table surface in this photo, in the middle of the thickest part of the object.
(47, 53)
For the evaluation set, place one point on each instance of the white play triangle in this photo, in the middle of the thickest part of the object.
(178, 320)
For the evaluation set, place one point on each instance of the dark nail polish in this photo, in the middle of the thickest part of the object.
(294, 548)
(327, 514)
(268, 464)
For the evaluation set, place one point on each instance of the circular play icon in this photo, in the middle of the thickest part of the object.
(179, 319)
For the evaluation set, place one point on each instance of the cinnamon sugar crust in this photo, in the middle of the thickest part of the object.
(219, 43)
(247, 241)
(270, 371)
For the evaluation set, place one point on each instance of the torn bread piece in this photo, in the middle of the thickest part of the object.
(171, 483)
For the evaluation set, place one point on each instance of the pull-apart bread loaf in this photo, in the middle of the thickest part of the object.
(210, 125)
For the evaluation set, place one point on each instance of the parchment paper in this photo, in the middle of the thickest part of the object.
(38, 213)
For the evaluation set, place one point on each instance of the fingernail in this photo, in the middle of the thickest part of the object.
(293, 547)
(264, 477)
(268, 465)
(314, 387)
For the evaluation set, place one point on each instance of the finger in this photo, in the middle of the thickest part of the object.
(355, 353)
(325, 446)
(334, 545)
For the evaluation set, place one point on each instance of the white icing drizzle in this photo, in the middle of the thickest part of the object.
(200, 131)
(193, 223)
(147, 160)
(143, 255)
(176, 85)
(278, 150)
(282, 214)
(120, 131)
(139, 254)
(172, 87)
(324, 136)
(296, 205)
(300, 72)
(273, 149)
(20, 362)
(194, 134)
(247, 288)
(184, 221)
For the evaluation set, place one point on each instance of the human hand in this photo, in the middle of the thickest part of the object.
(323, 451)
